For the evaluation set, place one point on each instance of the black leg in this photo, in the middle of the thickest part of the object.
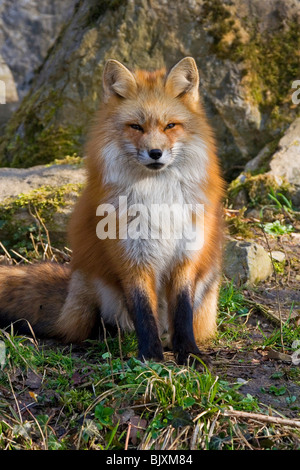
(140, 310)
(183, 339)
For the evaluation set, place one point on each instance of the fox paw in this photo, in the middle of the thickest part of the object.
(151, 351)
(194, 357)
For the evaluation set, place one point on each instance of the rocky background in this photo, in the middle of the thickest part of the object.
(27, 31)
(51, 60)
(246, 51)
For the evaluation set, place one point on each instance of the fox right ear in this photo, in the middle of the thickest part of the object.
(183, 79)
(117, 80)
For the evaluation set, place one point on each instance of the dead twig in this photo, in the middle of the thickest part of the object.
(20, 256)
(127, 436)
(5, 250)
(263, 418)
(46, 248)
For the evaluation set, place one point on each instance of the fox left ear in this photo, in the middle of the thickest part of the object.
(183, 79)
(117, 80)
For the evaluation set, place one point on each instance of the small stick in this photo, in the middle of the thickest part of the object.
(127, 436)
(20, 256)
(5, 250)
(34, 244)
(261, 417)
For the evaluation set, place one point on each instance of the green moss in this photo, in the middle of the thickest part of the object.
(273, 65)
(18, 220)
(68, 160)
(257, 189)
(239, 226)
(45, 198)
(31, 138)
(218, 23)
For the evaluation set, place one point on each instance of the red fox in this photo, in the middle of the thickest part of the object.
(150, 148)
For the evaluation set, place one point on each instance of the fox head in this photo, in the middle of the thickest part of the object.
(151, 122)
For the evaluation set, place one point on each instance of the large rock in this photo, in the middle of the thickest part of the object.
(284, 163)
(14, 181)
(246, 262)
(48, 192)
(235, 45)
(27, 30)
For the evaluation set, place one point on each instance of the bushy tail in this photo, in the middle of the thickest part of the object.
(32, 297)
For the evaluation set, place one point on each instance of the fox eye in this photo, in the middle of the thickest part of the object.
(137, 127)
(170, 126)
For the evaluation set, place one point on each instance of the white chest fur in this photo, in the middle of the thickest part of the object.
(161, 230)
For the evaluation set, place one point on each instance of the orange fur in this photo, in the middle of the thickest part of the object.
(33, 294)
(153, 109)
(128, 280)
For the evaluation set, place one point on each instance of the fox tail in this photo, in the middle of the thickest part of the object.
(32, 297)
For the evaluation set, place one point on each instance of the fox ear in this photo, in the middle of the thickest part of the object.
(183, 79)
(117, 80)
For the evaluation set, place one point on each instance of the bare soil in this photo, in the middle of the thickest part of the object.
(269, 376)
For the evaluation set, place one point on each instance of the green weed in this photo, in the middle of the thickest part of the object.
(233, 309)
(287, 335)
(276, 228)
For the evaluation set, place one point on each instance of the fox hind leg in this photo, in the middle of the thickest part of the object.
(205, 310)
(80, 313)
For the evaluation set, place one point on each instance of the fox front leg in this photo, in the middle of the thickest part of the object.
(142, 307)
(181, 290)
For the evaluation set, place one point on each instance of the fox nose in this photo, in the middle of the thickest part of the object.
(155, 154)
